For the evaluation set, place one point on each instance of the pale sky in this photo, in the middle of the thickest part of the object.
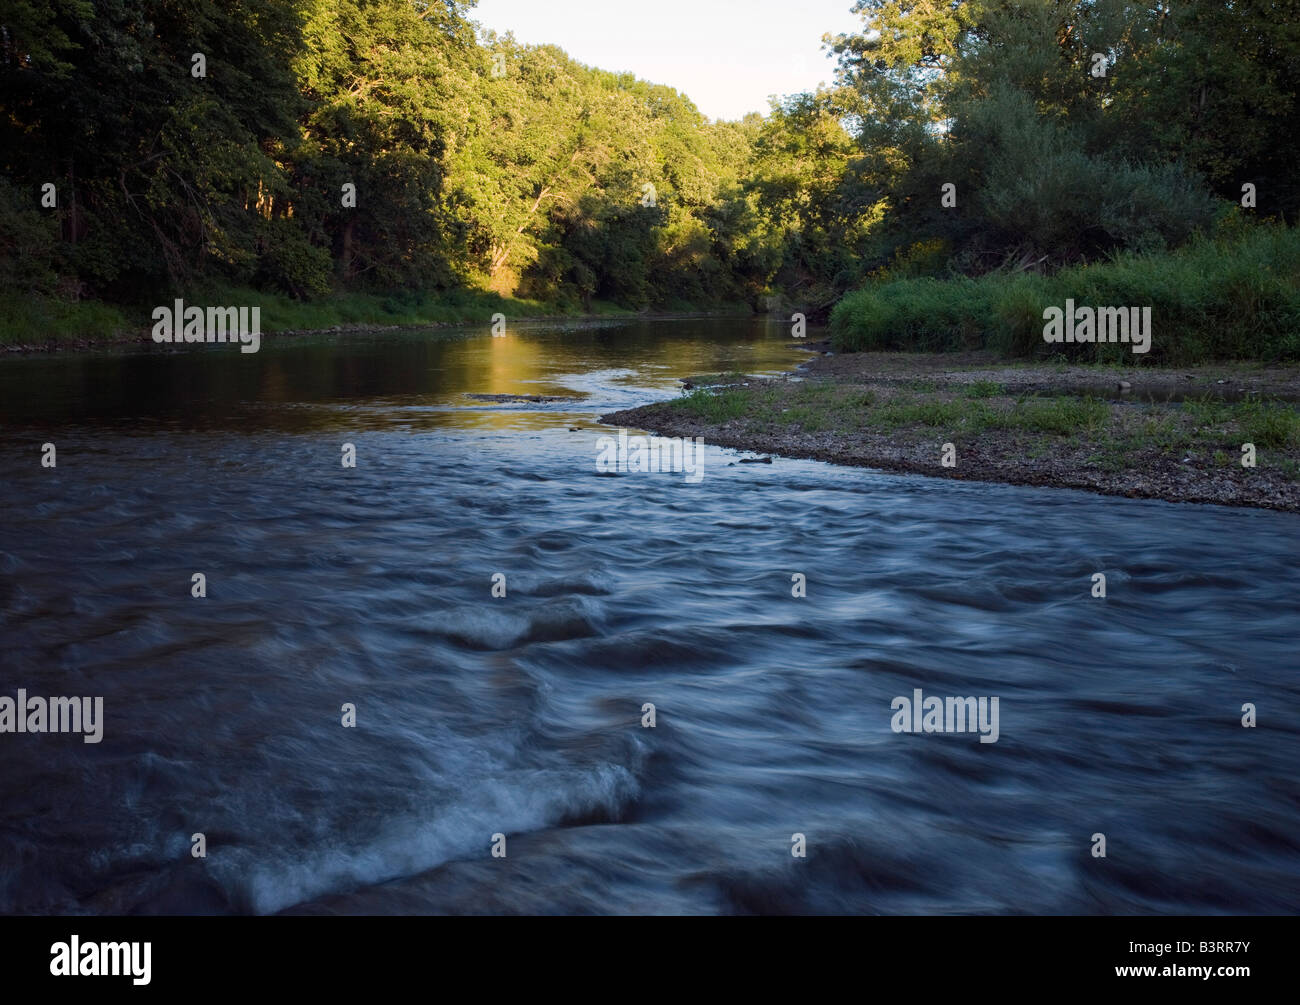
(727, 56)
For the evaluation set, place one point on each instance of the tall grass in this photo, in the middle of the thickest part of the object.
(1215, 298)
(36, 320)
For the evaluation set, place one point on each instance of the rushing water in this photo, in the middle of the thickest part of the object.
(522, 715)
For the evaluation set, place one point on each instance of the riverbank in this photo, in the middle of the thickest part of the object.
(36, 324)
(1174, 434)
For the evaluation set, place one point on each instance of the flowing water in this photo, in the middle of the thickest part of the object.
(522, 715)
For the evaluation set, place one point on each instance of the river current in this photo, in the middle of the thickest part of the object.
(521, 716)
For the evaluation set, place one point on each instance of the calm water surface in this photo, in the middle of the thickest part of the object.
(522, 715)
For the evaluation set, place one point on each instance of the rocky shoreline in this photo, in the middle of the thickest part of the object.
(1173, 434)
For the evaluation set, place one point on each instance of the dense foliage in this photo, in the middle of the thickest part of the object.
(343, 146)
(476, 161)
(1069, 128)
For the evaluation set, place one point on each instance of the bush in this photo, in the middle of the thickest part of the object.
(290, 263)
(28, 238)
(1216, 298)
(1041, 190)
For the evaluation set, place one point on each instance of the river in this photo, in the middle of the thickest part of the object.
(522, 715)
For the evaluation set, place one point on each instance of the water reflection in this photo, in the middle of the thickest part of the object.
(415, 379)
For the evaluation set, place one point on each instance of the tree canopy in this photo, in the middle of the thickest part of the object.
(307, 146)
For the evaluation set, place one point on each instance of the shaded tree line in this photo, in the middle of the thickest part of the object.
(311, 146)
(1068, 129)
(316, 145)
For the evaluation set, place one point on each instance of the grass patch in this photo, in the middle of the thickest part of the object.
(407, 308)
(984, 389)
(716, 406)
(1061, 416)
(810, 419)
(1115, 436)
(38, 320)
(818, 407)
(1164, 431)
(1208, 411)
(1269, 424)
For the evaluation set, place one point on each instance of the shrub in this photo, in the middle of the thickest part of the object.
(1230, 297)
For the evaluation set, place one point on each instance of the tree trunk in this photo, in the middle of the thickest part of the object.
(345, 260)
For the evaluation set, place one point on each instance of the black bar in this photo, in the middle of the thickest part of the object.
(335, 954)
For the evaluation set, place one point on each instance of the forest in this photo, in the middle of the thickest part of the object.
(974, 161)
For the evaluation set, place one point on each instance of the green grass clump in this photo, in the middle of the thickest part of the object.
(716, 406)
(38, 320)
(1268, 424)
(1061, 416)
(1208, 411)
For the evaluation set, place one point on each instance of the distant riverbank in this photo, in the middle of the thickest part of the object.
(1166, 433)
(35, 324)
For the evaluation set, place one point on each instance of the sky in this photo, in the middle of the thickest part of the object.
(727, 56)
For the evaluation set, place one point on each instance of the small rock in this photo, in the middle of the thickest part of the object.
(1124, 386)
